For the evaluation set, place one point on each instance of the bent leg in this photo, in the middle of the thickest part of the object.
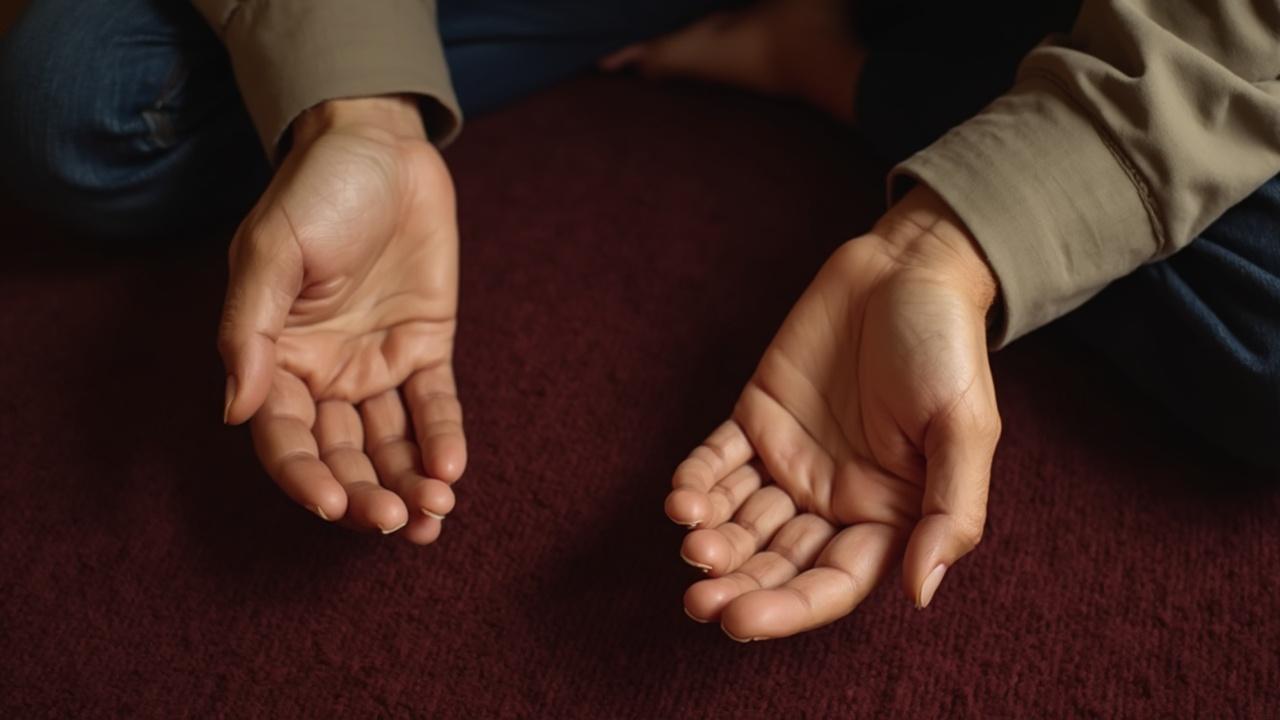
(121, 117)
(1200, 331)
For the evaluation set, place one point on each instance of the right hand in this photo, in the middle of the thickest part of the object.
(338, 328)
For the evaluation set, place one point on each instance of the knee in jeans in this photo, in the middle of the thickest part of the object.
(48, 102)
(63, 119)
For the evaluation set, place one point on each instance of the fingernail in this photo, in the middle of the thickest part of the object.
(735, 638)
(695, 618)
(388, 531)
(691, 525)
(930, 586)
(430, 514)
(700, 566)
(231, 396)
(318, 511)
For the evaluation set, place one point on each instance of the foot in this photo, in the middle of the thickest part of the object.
(338, 328)
(867, 430)
(794, 49)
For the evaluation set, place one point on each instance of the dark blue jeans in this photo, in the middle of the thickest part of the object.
(122, 117)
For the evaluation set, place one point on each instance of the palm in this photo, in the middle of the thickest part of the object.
(819, 478)
(356, 242)
(378, 297)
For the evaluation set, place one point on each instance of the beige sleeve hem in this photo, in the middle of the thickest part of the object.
(289, 55)
(1058, 213)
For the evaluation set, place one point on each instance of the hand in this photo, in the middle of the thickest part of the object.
(338, 328)
(868, 428)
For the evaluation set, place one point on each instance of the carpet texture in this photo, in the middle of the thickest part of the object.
(628, 251)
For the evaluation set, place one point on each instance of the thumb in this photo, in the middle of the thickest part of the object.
(959, 448)
(265, 279)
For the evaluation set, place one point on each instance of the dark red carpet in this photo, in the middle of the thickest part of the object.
(628, 251)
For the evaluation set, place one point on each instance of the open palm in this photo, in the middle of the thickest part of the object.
(338, 331)
(867, 429)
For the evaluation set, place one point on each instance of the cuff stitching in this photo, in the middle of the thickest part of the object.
(1113, 146)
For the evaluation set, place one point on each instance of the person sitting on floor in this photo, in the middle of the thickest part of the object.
(1127, 169)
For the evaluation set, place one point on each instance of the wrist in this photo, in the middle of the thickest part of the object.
(922, 230)
(395, 115)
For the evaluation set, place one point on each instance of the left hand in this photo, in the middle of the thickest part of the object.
(865, 436)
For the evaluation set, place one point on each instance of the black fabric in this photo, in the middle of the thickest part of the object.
(933, 64)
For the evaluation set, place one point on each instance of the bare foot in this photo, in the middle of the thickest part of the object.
(864, 437)
(795, 49)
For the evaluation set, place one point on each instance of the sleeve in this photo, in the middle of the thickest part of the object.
(1117, 145)
(289, 55)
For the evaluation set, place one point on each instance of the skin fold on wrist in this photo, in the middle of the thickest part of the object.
(397, 115)
(922, 229)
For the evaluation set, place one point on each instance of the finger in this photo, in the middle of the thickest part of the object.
(794, 458)
(726, 450)
(287, 448)
(853, 563)
(340, 436)
(717, 551)
(727, 496)
(959, 449)
(793, 550)
(432, 398)
(265, 278)
(421, 530)
(398, 460)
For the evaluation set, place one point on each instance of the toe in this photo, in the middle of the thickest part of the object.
(623, 58)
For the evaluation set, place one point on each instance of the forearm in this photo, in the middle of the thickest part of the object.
(1116, 147)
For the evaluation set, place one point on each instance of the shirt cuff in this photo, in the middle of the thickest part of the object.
(1057, 211)
(290, 56)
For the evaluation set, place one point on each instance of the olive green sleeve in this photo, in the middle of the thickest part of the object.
(1117, 146)
(289, 55)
